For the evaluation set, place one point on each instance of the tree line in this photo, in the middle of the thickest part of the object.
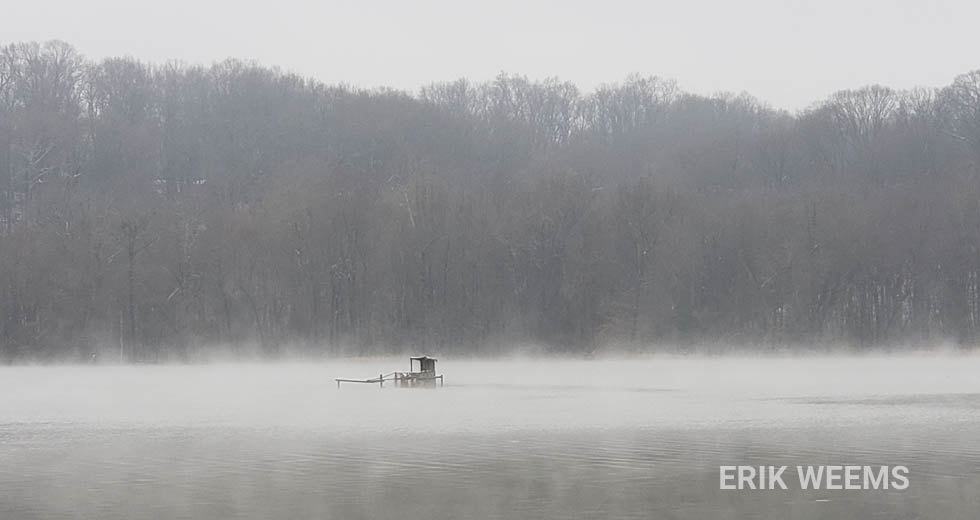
(150, 211)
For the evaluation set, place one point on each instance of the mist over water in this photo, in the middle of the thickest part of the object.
(635, 438)
(645, 298)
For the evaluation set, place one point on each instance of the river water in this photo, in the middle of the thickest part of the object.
(639, 438)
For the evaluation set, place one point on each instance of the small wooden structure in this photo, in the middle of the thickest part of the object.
(425, 376)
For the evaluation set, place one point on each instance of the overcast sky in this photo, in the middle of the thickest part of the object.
(787, 52)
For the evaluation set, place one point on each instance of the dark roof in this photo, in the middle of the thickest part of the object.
(424, 357)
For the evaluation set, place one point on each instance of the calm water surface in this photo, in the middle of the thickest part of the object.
(509, 439)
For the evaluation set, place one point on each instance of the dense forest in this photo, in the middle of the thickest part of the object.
(148, 212)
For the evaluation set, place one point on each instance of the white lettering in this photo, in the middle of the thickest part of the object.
(726, 473)
(900, 479)
(852, 477)
(834, 477)
(746, 474)
(811, 478)
(874, 480)
(776, 477)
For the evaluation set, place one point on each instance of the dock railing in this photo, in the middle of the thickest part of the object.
(400, 379)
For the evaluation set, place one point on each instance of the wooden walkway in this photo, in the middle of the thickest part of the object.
(400, 379)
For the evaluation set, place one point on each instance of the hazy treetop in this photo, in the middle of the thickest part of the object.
(789, 53)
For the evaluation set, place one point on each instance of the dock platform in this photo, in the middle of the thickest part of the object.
(425, 376)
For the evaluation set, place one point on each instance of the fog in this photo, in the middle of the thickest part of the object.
(546, 438)
(149, 211)
(645, 242)
(501, 395)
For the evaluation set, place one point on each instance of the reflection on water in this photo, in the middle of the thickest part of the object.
(569, 439)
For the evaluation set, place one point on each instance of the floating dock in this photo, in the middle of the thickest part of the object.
(425, 376)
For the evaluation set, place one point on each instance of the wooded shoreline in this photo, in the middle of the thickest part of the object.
(152, 210)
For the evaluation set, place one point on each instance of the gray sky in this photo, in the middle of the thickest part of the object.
(787, 52)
